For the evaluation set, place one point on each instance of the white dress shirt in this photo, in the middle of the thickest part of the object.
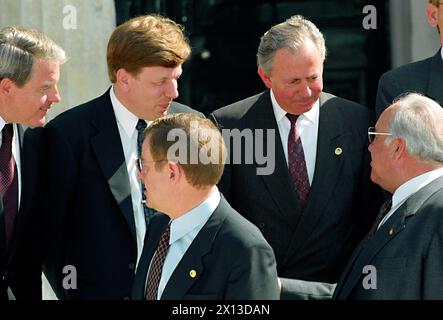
(126, 123)
(307, 128)
(184, 229)
(408, 188)
(16, 153)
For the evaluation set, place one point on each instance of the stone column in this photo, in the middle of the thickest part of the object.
(82, 28)
(412, 38)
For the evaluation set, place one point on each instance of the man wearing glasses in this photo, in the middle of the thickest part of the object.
(402, 256)
(200, 248)
(424, 76)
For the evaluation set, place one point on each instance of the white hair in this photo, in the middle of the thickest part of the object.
(419, 121)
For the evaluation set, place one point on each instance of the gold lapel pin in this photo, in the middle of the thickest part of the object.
(192, 273)
(391, 232)
(338, 151)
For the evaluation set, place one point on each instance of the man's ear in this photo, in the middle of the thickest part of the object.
(432, 14)
(6, 86)
(265, 77)
(399, 148)
(175, 172)
(123, 78)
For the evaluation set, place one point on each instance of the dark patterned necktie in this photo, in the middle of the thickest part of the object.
(384, 209)
(8, 181)
(141, 126)
(296, 162)
(156, 268)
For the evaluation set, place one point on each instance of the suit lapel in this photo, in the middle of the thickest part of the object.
(328, 167)
(278, 183)
(181, 281)
(388, 231)
(108, 149)
(435, 84)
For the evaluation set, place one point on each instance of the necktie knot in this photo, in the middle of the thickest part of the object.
(141, 125)
(7, 133)
(384, 209)
(292, 118)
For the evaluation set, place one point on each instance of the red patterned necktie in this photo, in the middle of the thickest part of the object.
(155, 270)
(384, 209)
(8, 181)
(296, 162)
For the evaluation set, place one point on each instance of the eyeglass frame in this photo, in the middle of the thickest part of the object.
(139, 163)
(372, 132)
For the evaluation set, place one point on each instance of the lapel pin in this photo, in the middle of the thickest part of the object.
(391, 232)
(192, 273)
(338, 151)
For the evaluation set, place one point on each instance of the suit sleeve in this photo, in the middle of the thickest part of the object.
(294, 289)
(61, 183)
(254, 276)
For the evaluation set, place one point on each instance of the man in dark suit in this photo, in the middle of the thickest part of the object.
(29, 73)
(202, 248)
(425, 76)
(310, 202)
(402, 258)
(96, 215)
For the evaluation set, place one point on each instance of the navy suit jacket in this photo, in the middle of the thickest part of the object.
(313, 244)
(406, 253)
(231, 258)
(90, 221)
(425, 77)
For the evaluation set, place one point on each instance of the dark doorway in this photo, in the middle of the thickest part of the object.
(225, 34)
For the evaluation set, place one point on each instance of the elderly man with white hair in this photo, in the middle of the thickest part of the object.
(402, 256)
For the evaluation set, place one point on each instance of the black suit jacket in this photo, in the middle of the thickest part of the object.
(425, 77)
(406, 252)
(229, 254)
(20, 266)
(313, 245)
(89, 210)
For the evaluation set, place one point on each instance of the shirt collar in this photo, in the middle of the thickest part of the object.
(125, 117)
(2, 124)
(195, 217)
(279, 113)
(410, 187)
(441, 53)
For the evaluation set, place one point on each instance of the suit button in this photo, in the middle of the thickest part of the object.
(126, 298)
(132, 266)
(261, 225)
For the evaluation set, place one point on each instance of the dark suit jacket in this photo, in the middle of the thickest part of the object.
(230, 255)
(313, 245)
(425, 77)
(89, 210)
(20, 267)
(407, 253)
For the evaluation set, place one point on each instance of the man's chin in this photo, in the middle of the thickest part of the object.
(36, 123)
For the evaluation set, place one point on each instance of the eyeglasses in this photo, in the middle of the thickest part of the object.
(139, 163)
(372, 133)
